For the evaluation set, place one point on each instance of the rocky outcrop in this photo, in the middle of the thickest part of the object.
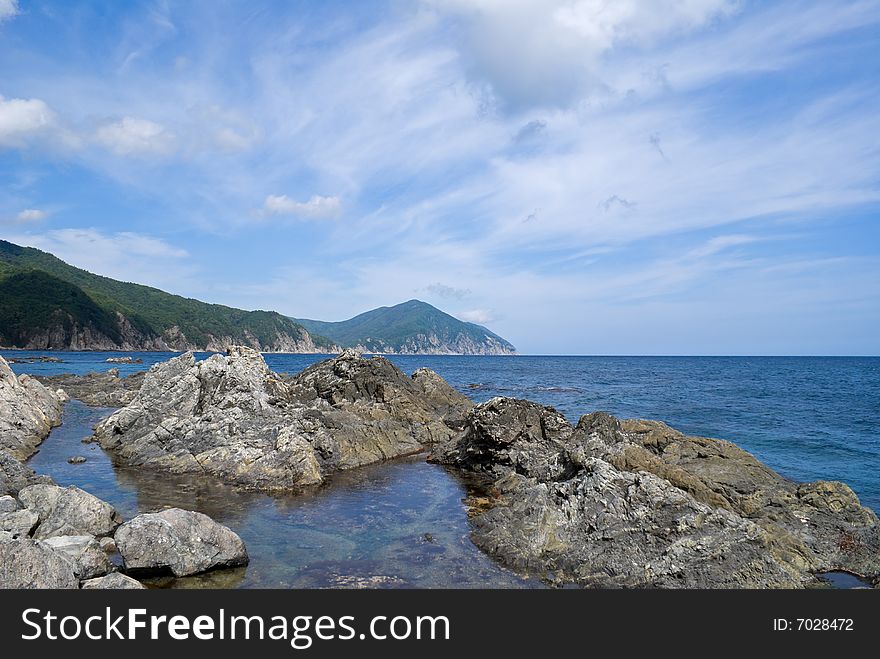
(104, 389)
(28, 411)
(231, 417)
(179, 541)
(638, 504)
(14, 475)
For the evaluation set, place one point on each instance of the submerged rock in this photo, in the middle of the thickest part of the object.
(179, 541)
(113, 581)
(26, 563)
(69, 511)
(231, 417)
(636, 503)
(28, 411)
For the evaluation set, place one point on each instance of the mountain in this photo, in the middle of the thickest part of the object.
(414, 327)
(46, 304)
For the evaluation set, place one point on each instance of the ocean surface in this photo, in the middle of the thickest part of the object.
(403, 523)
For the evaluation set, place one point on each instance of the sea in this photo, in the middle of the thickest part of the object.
(403, 523)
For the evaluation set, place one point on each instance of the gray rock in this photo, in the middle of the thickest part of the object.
(113, 581)
(105, 389)
(69, 511)
(15, 475)
(26, 563)
(637, 504)
(8, 504)
(231, 417)
(20, 524)
(181, 541)
(84, 552)
(28, 411)
(76, 459)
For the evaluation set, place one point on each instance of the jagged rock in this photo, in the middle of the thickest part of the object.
(69, 511)
(84, 552)
(105, 389)
(28, 411)
(113, 581)
(232, 417)
(636, 503)
(19, 524)
(14, 475)
(26, 563)
(181, 541)
(8, 504)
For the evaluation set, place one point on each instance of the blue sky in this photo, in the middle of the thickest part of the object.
(583, 177)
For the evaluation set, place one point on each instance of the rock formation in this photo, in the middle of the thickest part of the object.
(28, 411)
(638, 504)
(105, 389)
(231, 417)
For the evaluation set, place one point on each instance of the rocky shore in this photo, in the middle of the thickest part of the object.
(56, 537)
(601, 503)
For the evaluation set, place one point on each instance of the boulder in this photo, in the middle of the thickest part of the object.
(113, 581)
(637, 504)
(180, 541)
(26, 563)
(84, 552)
(231, 417)
(69, 511)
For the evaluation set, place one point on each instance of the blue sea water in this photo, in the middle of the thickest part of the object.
(807, 417)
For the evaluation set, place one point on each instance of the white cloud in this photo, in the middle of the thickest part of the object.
(316, 208)
(134, 136)
(22, 119)
(447, 292)
(548, 52)
(8, 9)
(31, 215)
(479, 316)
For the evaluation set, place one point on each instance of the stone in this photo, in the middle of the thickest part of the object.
(20, 524)
(15, 475)
(108, 545)
(69, 511)
(233, 418)
(105, 389)
(26, 563)
(76, 460)
(634, 503)
(180, 541)
(8, 504)
(113, 581)
(84, 552)
(28, 411)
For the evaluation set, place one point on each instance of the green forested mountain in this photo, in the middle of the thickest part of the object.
(411, 327)
(47, 304)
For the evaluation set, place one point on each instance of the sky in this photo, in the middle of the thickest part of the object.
(581, 176)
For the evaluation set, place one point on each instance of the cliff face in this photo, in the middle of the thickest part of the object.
(432, 344)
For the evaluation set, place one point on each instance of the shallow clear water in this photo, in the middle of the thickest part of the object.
(400, 524)
(809, 418)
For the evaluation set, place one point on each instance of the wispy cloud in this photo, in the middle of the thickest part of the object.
(8, 9)
(316, 208)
